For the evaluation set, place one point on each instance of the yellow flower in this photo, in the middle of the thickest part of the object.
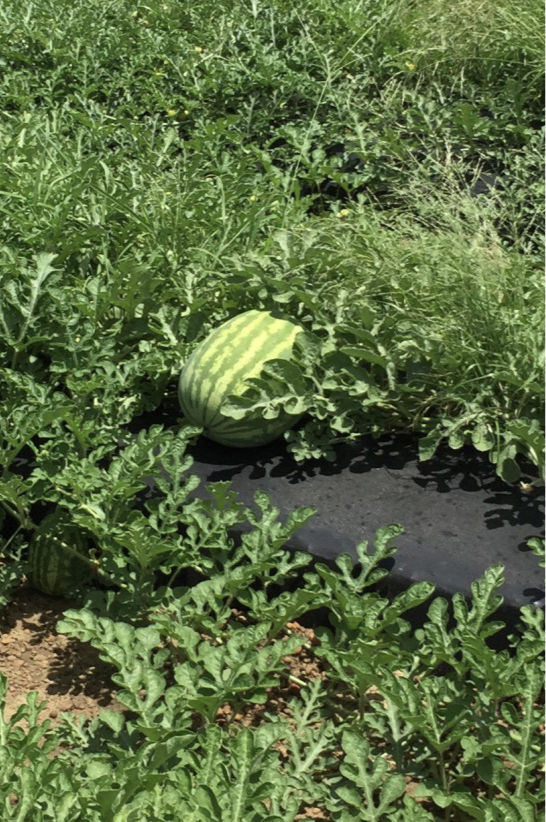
(344, 212)
(198, 49)
(171, 112)
(411, 66)
(252, 198)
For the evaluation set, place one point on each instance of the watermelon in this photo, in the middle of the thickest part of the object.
(54, 564)
(219, 366)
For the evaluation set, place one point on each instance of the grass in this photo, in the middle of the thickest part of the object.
(164, 166)
(157, 152)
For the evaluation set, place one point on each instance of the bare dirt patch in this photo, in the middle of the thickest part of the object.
(34, 657)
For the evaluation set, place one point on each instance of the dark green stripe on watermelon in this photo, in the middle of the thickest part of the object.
(54, 563)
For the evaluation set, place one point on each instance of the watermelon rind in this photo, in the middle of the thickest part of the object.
(218, 368)
(54, 564)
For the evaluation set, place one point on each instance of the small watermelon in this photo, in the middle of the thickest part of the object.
(219, 366)
(55, 567)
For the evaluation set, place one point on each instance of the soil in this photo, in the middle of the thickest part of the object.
(34, 657)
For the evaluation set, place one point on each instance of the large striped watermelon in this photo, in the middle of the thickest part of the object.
(218, 367)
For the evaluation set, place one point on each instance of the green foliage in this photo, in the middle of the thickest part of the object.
(432, 706)
(165, 167)
(143, 208)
